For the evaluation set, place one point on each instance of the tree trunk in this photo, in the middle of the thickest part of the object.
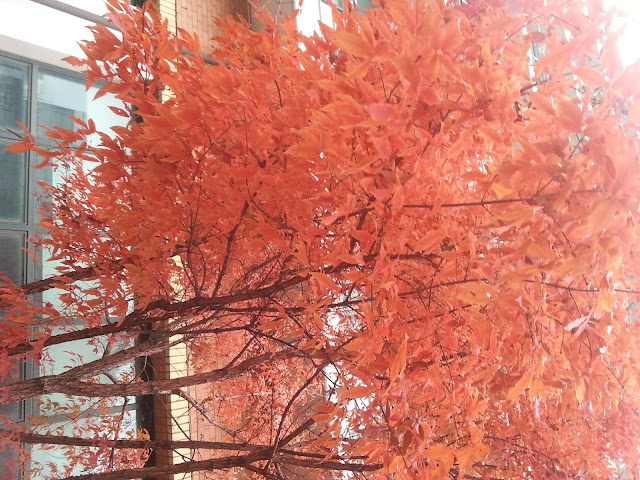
(140, 317)
(185, 467)
(60, 384)
(35, 438)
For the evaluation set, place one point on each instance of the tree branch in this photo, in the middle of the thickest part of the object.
(327, 465)
(185, 467)
(53, 384)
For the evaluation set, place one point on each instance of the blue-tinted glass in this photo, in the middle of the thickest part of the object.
(13, 180)
(12, 255)
(14, 91)
(13, 410)
(9, 454)
(8, 464)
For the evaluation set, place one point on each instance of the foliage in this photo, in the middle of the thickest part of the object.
(403, 247)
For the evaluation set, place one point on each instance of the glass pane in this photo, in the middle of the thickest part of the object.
(12, 255)
(13, 95)
(98, 110)
(12, 186)
(14, 410)
(9, 454)
(8, 464)
(59, 96)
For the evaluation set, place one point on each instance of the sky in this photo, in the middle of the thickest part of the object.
(629, 43)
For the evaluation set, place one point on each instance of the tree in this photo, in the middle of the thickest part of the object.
(405, 248)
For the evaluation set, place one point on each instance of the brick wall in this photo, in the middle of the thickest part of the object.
(203, 429)
(176, 418)
(179, 407)
(197, 16)
(171, 411)
(162, 413)
(167, 9)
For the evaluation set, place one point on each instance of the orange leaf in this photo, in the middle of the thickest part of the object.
(475, 433)
(18, 147)
(520, 386)
(471, 453)
(569, 115)
(352, 43)
(439, 451)
(399, 362)
(324, 281)
(361, 391)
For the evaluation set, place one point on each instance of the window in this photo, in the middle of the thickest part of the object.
(361, 4)
(33, 94)
(59, 97)
(325, 14)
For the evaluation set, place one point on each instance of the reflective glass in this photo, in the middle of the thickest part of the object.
(12, 255)
(15, 411)
(13, 193)
(14, 90)
(59, 97)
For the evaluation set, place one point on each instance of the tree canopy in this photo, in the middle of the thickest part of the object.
(405, 247)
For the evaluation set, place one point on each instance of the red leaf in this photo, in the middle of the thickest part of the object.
(380, 112)
(18, 147)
